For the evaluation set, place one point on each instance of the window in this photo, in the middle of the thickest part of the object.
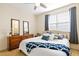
(52, 22)
(60, 21)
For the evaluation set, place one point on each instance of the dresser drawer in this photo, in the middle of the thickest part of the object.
(15, 37)
(25, 37)
(13, 46)
(14, 41)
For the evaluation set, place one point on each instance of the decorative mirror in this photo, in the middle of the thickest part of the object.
(15, 27)
(25, 27)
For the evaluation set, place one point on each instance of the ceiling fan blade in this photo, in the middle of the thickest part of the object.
(44, 6)
(35, 7)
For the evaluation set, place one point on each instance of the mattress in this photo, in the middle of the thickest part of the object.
(43, 51)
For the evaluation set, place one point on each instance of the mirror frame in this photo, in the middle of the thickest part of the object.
(24, 28)
(18, 27)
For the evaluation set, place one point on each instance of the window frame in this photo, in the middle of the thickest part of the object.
(59, 22)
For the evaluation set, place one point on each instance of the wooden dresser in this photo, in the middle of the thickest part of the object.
(14, 41)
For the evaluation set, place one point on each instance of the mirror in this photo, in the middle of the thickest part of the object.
(15, 27)
(25, 27)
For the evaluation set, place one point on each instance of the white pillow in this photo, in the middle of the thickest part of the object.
(51, 37)
(46, 34)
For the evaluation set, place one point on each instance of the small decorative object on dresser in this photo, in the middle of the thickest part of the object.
(14, 40)
(38, 34)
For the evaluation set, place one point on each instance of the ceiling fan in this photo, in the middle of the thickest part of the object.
(39, 4)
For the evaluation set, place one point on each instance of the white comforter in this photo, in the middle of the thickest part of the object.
(43, 51)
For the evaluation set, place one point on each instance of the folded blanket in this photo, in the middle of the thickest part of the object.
(32, 45)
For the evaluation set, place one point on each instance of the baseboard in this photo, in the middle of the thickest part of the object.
(3, 50)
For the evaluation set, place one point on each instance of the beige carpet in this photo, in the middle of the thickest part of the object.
(16, 52)
(74, 52)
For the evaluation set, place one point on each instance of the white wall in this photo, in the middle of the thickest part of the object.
(41, 17)
(41, 20)
(40, 23)
(6, 13)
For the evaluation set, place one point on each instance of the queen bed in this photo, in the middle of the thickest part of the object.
(39, 51)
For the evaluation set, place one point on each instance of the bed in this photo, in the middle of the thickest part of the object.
(43, 51)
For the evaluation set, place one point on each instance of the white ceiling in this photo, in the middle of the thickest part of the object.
(50, 6)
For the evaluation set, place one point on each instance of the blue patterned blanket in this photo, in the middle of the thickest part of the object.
(32, 45)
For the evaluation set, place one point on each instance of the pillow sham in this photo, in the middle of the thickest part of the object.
(46, 34)
(51, 37)
(60, 36)
(55, 36)
(45, 37)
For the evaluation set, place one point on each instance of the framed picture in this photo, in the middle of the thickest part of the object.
(15, 27)
(25, 27)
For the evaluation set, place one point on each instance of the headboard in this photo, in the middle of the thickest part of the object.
(66, 34)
